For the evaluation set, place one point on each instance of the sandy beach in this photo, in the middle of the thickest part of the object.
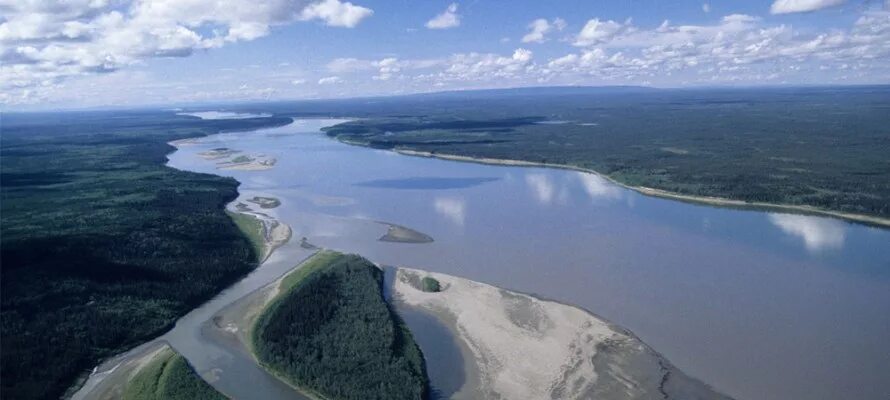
(525, 347)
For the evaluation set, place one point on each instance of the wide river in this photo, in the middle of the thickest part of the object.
(760, 305)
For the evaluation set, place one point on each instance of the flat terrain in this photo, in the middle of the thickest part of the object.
(103, 246)
(820, 147)
(524, 347)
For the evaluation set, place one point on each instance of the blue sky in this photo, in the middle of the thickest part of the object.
(87, 53)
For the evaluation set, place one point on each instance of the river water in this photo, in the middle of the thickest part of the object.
(760, 305)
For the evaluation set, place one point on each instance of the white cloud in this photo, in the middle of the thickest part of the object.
(336, 13)
(447, 19)
(486, 66)
(330, 80)
(706, 7)
(386, 68)
(44, 42)
(596, 31)
(539, 29)
(798, 6)
(737, 48)
(817, 233)
(297, 82)
(453, 209)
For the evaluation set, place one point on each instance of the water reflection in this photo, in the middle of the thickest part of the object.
(426, 183)
(452, 208)
(817, 233)
(597, 187)
(541, 186)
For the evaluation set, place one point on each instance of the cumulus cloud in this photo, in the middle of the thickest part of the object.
(336, 13)
(386, 68)
(43, 42)
(798, 6)
(738, 47)
(330, 80)
(539, 28)
(596, 31)
(486, 66)
(447, 19)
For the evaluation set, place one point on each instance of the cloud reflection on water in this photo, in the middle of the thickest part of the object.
(597, 187)
(817, 233)
(541, 186)
(451, 208)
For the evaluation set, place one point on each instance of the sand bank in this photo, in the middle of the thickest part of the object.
(401, 234)
(252, 165)
(715, 201)
(109, 380)
(265, 202)
(525, 347)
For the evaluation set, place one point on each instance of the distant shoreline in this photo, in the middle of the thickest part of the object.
(707, 200)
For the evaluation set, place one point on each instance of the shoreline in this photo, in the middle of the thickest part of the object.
(106, 370)
(236, 320)
(601, 359)
(652, 192)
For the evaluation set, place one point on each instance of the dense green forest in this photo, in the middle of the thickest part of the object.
(104, 247)
(823, 147)
(169, 377)
(332, 333)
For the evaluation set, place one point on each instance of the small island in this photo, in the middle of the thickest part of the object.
(265, 202)
(329, 333)
(402, 234)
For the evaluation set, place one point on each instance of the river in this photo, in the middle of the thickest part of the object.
(761, 305)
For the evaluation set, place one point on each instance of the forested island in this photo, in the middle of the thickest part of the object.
(168, 376)
(330, 333)
(103, 246)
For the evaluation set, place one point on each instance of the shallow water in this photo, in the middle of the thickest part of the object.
(760, 305)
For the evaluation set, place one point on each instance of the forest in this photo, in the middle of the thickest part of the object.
(169, 377)
(818, 146)
(103, 246)
(332, 334)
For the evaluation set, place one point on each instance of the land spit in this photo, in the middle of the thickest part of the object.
(401, 234)
(525, 347)
(109, 380)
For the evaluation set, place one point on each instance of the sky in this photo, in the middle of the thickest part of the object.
(61, 54)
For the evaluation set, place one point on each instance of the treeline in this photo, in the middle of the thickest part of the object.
(334, 335)
(169, 377)
(823, 147)
(104, 247)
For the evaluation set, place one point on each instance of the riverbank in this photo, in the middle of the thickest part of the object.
(713, 201)
(325, 329)
(525, 347)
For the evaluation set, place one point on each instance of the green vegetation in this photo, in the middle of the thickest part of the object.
(104, 247)
(822, 147)
(169, 377)
(430, 284)
(241, 159)
(252, 228)
(331, 333)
